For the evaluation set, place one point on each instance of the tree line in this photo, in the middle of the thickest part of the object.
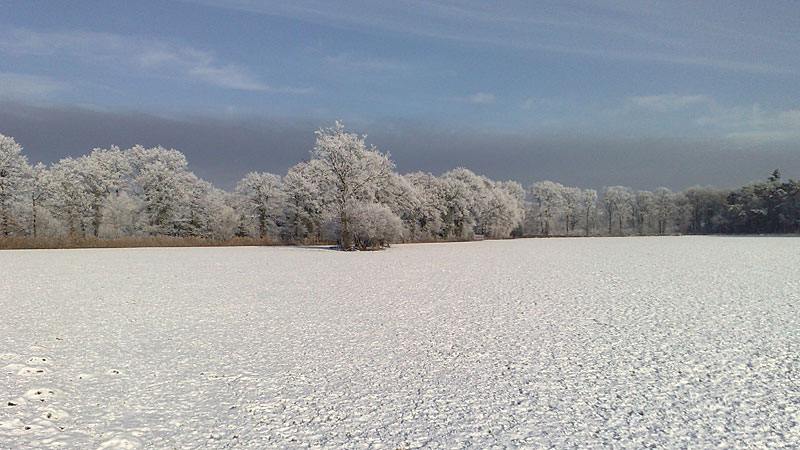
(349, 193)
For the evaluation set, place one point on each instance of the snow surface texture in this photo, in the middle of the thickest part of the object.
(634, 342)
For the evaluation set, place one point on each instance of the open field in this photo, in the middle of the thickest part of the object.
(628, 342)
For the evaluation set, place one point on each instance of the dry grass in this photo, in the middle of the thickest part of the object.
(63, 242)
(14, 242)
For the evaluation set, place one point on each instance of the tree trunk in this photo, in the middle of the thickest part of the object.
(4, 212)
(33, 201)
(296, 221)
(262, 223)
(346, 241)
(587, 222)
(96, 220)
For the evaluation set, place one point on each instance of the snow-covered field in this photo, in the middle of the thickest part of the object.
(633, 342)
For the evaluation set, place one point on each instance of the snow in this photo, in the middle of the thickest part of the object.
(631, 342)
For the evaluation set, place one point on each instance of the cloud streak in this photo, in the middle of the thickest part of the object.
(744, 124)
(667, 102)
(148, 56)
(350, 62)
(482, 98)
(604, 30)
(24, 87)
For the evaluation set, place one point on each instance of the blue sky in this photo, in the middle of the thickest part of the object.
(716, 77)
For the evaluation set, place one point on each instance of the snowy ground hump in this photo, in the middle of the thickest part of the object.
(630, 343)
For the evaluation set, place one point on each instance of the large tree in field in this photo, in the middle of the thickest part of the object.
(348, 173)
(13, 168)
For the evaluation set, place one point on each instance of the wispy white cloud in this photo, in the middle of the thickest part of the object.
(528, 103)
(790, 118)
(351, 62)
(537, 103)
(667, 102)
(149, 56)
(482, 98)
(605, 30)
(733, 117)
(738, 122)
(753, 124)
(23, 87)
(741, 123)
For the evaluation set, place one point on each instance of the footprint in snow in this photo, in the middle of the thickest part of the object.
(13, 368)
(27, 371)
(8, 356)
(54, 414)
(121, 442)
(40, 394)
(39, 361)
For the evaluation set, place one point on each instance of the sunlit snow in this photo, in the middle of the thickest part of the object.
(634, 342)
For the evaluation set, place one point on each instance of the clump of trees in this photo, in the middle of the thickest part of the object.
(764, 207)
(349, 193)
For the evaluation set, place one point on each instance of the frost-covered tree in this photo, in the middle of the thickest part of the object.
(303, 205)
(548, 201)
(683, 212)
(402, 198)
(477, 205)
(160, 179)
(262, 198)
(120, 216)
(213, 215)
(707, 208)
(617, 201)
(643, 209)
(352, 192)
(38, 184)
(348, 173)
(194, 215)
(458, 202)
(665, 208)
(13, 168)
(426, 221)
(104, 172)
(518, 208)
(572, 207)
(503, 210)
(69, 199)
(374, 225)
(589, 205)
(476, 194)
